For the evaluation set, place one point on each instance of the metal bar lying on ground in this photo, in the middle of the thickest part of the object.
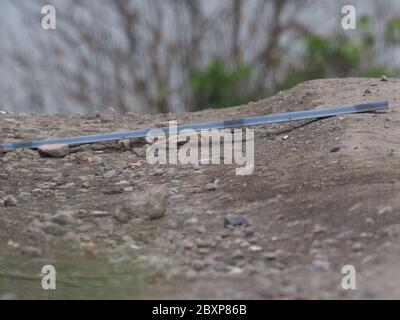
(251, 121)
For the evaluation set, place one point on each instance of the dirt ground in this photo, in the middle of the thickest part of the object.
(322, 195)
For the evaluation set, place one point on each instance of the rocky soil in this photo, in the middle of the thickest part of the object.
(323, 195)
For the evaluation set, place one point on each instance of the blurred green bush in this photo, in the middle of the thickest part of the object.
(335, 55)
(220, 86)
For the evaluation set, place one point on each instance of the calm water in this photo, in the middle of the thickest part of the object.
(76, 278)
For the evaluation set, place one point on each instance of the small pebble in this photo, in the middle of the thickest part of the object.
(10, 201)
(54, 150)
(235, 220)
(211, 186)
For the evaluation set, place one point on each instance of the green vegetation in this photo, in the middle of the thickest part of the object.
(332, 56)
(393, 31)
(77, 278)
(339, 56)
(220, 86)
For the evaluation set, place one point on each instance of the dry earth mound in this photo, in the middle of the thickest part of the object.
(322, 195)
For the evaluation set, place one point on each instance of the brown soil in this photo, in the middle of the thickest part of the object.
(311, 210)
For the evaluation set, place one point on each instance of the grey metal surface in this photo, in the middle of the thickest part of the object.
(251, 121)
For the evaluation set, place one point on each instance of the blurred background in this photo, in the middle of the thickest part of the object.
(184, 55)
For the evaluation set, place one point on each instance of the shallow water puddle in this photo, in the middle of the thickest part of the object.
(76, 278)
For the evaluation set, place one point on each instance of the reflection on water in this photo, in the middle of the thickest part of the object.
(76, 278)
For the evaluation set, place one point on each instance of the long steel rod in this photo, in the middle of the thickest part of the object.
(251, 121)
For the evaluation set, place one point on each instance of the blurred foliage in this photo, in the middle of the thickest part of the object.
(331, 56)
(336, 56)
(324, 58)
(393, 31)
(220, 86)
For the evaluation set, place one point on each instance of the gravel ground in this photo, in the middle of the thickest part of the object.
(322, 195)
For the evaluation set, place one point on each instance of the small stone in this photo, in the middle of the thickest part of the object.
(272, 255)
(123, 215)
(386, 209)
(138, 142)
(235, 220)
(211, 186)
(53, 229)
(10, 201)
(391, 230)
(113, 191)
(110, 174)
(150, 204)
(200, 229)
(99, 214)
(203, 243)
(140, 152)
(125, 144)
(191, 221)
(238, 254)
(59, 180)
(85, 184)
(358, 246)
(235, 270)
(13, 244)
(367, 91)
(335, 149)
(318, 229)
(225, 233)
(187, 244)
(255, 248)
(121, 183)
(384, 78)
(321, 264)
(242, 242)
(198, 265)
(248, 232)
(54, 150)
(62, 219)
(157, 172)
(156, 213)
(31, 251)
(108, 115)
